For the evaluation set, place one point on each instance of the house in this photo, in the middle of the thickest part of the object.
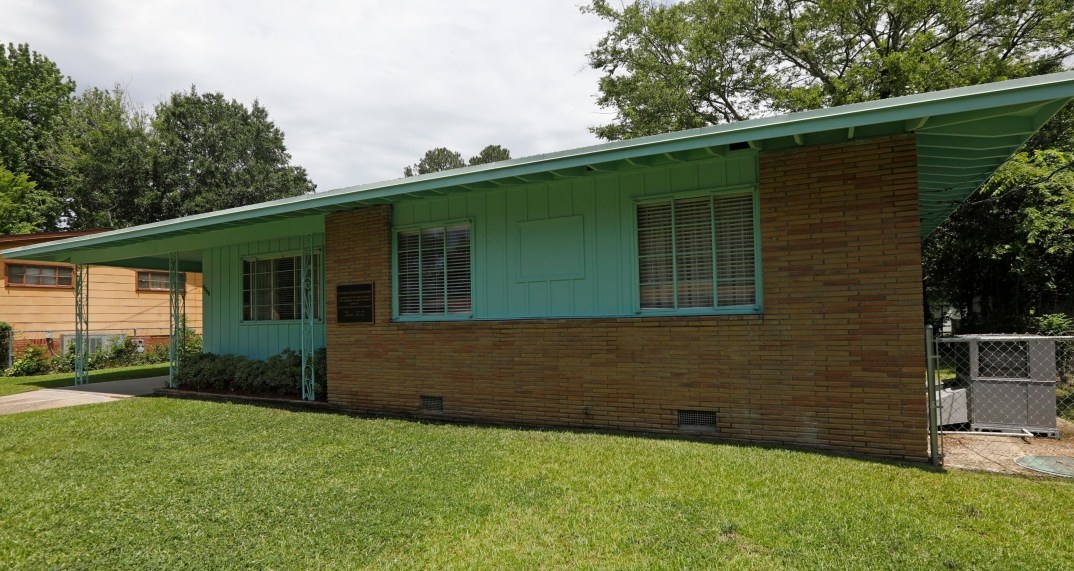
(38, 300)
(758, 281)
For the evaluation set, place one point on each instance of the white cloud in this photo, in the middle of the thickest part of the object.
(360, 88)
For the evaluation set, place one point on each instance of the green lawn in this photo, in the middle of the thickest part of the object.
(157, 483)
(13, 385)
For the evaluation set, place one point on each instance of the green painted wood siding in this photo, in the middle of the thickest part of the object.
(225, 331)
(566, 248)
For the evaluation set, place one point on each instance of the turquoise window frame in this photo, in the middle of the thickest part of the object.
(756, 308)
(318, 254)
(395, 270)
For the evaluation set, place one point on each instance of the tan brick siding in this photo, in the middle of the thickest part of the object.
(835, 362)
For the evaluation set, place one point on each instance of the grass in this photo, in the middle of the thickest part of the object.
(152, 483)
(14, 385)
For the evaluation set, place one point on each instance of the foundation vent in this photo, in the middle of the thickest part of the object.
(431, 404)
(697, 420)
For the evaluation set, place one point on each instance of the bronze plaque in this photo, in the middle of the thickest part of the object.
(354, 303)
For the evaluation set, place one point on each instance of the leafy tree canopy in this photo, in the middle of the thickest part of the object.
(108, 150)
(490, 154)
(442, 159)
(109, 164)
(23, 207)
(212, 153)
(687, 64)
(435, 160)
(34, 102)
(1009, 251)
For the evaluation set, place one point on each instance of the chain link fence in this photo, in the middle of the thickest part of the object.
(1002, 398)
(56, 342)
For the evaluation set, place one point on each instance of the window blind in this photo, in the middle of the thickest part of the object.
(736, 273)
(433, 271)
(696, 252)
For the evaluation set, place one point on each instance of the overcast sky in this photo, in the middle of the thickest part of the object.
(360, 88)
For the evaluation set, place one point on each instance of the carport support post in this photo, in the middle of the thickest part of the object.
(308, 300)
(935, 456)
(175, 325)
(81, 324)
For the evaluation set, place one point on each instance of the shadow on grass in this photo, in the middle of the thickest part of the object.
(14, 385)
(322, 407)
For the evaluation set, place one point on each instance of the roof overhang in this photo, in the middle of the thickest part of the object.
(963, 135)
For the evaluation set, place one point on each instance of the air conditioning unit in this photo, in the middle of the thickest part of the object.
(94, 341)
(1010, 383)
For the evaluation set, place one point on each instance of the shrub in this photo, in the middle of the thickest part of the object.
(280, 374)
(32, 362)
(7, 337)
(1055, 324)
(320, 368)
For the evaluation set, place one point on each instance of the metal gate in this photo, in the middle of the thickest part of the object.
(997, 402)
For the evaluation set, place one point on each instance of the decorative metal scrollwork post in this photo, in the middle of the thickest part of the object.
(81, 324)
(309, 299)
(175, 324)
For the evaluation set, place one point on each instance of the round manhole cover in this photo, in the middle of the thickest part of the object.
(1055, 465)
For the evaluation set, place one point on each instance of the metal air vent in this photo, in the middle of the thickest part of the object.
(697, 420)
(431, 403)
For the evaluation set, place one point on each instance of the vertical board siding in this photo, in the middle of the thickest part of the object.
(834, 363)
(225, 332)
(606, 205)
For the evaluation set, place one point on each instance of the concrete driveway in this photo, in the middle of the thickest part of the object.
(83, 394)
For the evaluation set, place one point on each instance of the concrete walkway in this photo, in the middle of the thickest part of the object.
(83, 394)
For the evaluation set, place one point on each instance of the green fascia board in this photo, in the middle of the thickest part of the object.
(913, 111)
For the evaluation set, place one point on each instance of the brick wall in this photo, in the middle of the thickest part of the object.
(835, 362)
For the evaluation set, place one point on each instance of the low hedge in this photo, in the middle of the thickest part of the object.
(279, 375)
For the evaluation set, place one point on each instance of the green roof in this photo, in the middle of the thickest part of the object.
(963, 135)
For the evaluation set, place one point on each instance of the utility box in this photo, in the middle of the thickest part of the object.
(1011, 383)
(954, 405)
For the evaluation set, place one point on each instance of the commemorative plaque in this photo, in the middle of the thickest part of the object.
(354, 303)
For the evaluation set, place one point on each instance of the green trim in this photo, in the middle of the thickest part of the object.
(470, 222)
(700, 311)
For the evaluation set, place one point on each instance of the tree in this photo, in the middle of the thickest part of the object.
(490, 154)
(23, 207)
(435, 160)
(211, 153)
(109, 150)
(1008, 253)
(34, 103)
(442, 159)
(699, 62)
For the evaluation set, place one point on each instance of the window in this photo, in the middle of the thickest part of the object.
(51, 276)
(272, 289)
(697, 252)
(433, 270)
(158, 281)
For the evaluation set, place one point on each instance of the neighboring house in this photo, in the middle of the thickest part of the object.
(38, 300)
(758, 281)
